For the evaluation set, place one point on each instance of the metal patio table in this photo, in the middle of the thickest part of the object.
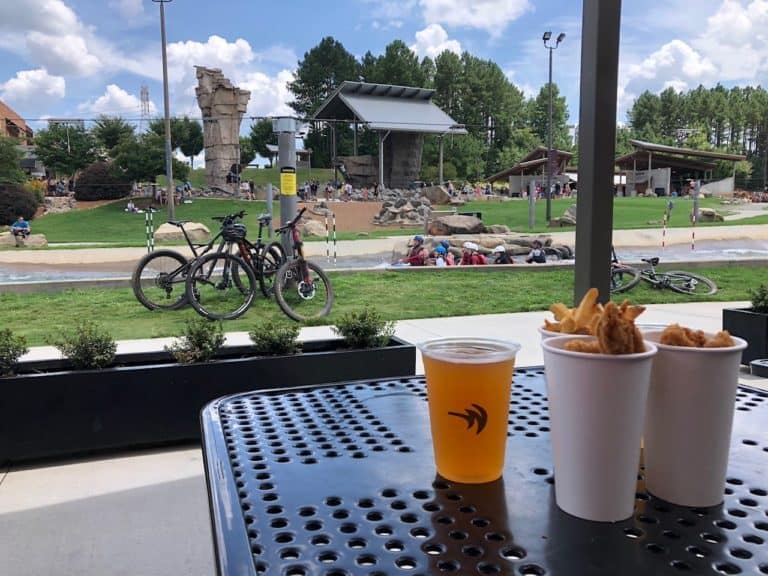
(339, 480)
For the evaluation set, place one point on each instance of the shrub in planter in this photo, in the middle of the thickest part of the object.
(364, 329)
(11, 349)
(100, 182)
(199, 343)
(89, 347)
(274, 339)
(751, 324)
(15, 201)
(760, 299)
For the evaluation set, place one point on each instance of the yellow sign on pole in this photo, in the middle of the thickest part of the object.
(288, 181)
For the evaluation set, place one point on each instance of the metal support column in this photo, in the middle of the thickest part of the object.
(286, 162)
(440, 169)
(382, 137)
(597, 143)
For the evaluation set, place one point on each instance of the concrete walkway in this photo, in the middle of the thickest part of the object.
(146, 514)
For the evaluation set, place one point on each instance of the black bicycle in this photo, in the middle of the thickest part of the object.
(302, 289)
(159, 279)
(625, 277)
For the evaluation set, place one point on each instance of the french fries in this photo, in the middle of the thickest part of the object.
(579, 320)
(612, 324)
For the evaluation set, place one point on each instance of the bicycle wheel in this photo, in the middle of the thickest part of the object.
(269, 262)
(212, 290)
(303, 291)
(623, 278)
(158, 280)
(691, 284)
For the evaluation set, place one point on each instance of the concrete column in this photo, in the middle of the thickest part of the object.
(597, 143)
(440, 177)
(286, 142)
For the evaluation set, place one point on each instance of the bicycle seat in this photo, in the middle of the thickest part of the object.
(652, 261)
(265, 218)
(177, 223)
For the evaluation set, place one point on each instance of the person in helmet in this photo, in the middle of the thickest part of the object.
(537, 254)
(439, 256)
(471, 255)
(450, 259)
(417, 253)
(501, 256)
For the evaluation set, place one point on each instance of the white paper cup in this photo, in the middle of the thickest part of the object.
(688, 421)
(549, 334)
(596, 408)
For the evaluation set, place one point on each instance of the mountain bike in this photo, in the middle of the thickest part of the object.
(221, 285)
(159, 279)
(625, 277)
(302, 289)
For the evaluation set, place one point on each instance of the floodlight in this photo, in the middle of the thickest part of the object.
(547, 36)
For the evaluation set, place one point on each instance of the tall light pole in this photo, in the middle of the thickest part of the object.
(168, 157)
(547, 37)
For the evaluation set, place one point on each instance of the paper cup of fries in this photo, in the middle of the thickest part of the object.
(580, 321)
(597, 409)
(689, 419)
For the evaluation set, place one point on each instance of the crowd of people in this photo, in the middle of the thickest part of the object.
(471, 255)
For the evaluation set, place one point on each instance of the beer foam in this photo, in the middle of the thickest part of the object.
(469, 350)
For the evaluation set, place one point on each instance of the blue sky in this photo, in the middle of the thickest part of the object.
(81, 58)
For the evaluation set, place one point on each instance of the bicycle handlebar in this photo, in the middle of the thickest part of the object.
(229, 218)
(292, 223)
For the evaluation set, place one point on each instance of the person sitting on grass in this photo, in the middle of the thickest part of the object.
(502, 257)
(417, 255)
(537, 254)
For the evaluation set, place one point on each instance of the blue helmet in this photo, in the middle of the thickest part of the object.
(440, 249)
(445, 244)
(419, 239)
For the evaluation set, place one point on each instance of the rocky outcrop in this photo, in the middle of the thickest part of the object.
(497, 229)
(58, 204)
(403, 208)
(222, 106)
(455, 224)
(8, 240)
(169, 233)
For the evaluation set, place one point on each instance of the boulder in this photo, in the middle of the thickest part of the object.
(454, 224)
(436, 194)
(569, 217)
(8, 240)
(197, 232)
(497, 229)
(313, 228)
(710, 215)
(490, 241)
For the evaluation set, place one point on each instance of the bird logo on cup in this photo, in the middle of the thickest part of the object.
(477, 416)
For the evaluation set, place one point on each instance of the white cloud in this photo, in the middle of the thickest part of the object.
(49, 34)
(30, 87)
(216, 52)
(269, 95)
(732, 47)
(393, 12)
(64, 54)
(433, 40)
(490, 15)
(131, 10)
(279, 54)
(116, 102)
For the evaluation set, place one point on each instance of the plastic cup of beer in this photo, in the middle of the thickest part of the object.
(468, 386)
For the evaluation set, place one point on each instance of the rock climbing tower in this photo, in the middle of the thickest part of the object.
(222, 106)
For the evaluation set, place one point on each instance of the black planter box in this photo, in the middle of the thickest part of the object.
(752, 327)
(66, 413)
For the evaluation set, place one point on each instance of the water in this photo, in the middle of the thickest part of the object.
(705, 250)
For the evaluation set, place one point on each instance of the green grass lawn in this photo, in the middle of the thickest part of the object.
(398, 296)
(110, 224)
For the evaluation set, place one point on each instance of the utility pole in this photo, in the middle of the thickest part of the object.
(546, 37)
(285, 128)
(167, 106)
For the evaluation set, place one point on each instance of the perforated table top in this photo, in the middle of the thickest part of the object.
(339, 480)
